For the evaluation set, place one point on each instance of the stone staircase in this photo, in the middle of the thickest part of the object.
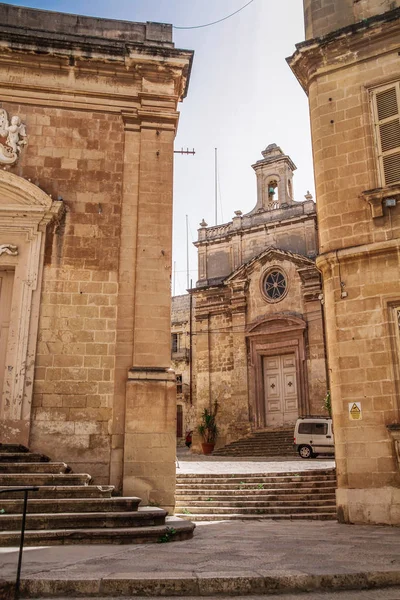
(68, 509)
(302, 495)
(262, 443)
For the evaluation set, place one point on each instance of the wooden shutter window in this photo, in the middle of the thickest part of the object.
(387, 127)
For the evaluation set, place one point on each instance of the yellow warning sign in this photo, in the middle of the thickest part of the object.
(355, 413)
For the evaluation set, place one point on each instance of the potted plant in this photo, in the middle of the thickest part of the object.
(208, 428)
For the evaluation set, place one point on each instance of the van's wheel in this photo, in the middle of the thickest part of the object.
(305, 452)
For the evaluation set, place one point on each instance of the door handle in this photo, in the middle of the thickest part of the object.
(329, 436)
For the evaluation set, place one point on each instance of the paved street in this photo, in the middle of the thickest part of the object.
(197, 463)
(386, 594)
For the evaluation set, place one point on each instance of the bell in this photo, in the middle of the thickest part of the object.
(271, 190)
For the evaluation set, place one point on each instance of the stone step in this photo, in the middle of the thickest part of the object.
(21, 479)
(12, 448)
(64, 491)
(298, 473)
(32, 467)
(110, 520)
(254, 480)
(270, 486)
(327, 516)
(248, 504)
(14, 457)
(70, 505)
(258, 495)
(298, 510)
(173, 530)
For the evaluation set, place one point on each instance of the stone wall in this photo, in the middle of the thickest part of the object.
(359, 243)
(100, 115)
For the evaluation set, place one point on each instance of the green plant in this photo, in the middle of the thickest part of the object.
(167, 536)
(209, 500)
(208, 428)
(2, 511)
(260, 486)
(327, 405)
(186, 511)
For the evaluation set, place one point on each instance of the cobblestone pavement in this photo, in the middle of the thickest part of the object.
(197, 463)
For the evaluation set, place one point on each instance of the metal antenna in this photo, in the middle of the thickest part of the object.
(182, 151)
(215, 186)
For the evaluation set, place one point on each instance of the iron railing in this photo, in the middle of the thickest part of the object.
(26, 491)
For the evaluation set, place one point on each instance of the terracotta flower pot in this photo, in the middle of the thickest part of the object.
(207, 447)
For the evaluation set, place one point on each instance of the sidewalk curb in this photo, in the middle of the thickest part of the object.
(205, 584)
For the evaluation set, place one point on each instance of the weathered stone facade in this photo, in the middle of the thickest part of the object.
(183, 356)
(258, 317)
(88, 204)
(352, 76)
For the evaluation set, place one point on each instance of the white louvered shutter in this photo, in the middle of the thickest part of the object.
(386, 106)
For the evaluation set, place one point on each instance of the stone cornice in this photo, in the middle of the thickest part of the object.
(346, 46)
(109, 58)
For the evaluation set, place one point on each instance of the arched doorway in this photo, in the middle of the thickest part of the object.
(25, 213)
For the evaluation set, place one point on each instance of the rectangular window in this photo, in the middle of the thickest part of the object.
(179, 384)
(175, 342)
(386, 112)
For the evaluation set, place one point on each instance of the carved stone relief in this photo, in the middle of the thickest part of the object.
(12, 138)
(8, 249)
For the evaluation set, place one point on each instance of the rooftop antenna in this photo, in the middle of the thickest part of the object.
(187, 253)
(182, 151)
(215, 185)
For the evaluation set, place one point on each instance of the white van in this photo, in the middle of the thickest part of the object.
(313, 436)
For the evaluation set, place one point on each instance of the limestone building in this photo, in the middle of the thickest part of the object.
(88, 116)
(182, 356)
(349, 67)
(259, 346)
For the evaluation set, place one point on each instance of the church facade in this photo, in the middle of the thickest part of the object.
(258, 326)
(88, 118)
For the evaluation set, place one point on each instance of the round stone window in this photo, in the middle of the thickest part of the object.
(274, 285)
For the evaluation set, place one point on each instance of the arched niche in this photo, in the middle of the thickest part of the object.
(25, 213)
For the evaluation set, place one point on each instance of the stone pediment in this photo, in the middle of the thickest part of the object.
(269, 255)
(18, 193)
(274, 324)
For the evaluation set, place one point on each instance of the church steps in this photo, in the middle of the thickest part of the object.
(88, 520)
(65, 491)
(21, 479)
(67, 509)
(211, 497)
(326, 516)
(182, 530)
(70, 505)
(270, 510)
(24, 457)
(32, 467)
(210, 506)
(250, 488)
(261, 443)
(259, 478)
(259, 495)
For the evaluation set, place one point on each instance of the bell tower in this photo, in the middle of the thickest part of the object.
(274, 179)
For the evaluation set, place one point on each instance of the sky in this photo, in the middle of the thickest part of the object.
(242, 96)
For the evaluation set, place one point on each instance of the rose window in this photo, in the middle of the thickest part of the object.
(275, 285)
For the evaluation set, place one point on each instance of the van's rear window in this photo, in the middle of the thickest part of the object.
(314, 428)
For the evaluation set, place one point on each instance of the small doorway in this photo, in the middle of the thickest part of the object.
(280, 390)
(6, 288)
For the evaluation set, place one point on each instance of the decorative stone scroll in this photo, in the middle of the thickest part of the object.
(12, 138)
(8, 249)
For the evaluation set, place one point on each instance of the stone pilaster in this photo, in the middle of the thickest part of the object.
(150, 411)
